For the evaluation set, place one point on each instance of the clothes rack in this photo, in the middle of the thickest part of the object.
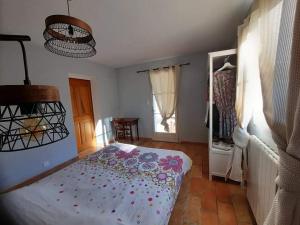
(218, 158)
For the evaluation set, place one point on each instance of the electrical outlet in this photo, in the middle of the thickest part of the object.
(46, 163)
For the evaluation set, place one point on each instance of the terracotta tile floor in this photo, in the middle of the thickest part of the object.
(201, 201)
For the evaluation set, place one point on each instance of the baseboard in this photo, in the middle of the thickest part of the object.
(144, 139)
(129, 141)
(193, 142)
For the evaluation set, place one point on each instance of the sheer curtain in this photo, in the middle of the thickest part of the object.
(248, 92)
(257, 49)
(164, 84)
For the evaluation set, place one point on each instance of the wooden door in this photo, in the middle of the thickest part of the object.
(83, 115)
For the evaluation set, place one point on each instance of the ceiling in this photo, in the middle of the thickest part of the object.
(134, 31)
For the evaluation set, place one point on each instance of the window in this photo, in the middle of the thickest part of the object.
(157, 120)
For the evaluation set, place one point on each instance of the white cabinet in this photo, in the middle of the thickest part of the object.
(219, 160)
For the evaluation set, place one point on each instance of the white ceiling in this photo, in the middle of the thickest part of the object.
(135, 31)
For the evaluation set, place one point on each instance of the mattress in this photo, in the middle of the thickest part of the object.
(118, 185)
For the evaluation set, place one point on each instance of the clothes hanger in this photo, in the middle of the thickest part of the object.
(227, 65)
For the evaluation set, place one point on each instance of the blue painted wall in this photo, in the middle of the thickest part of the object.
(47, 68)
(135, 96)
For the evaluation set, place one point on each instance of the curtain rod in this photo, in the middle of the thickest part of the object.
(165, 67)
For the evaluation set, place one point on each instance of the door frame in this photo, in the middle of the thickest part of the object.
(89, 78)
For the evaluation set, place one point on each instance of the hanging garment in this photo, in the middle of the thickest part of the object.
(216, 121)
(215, 117)
(224, 97)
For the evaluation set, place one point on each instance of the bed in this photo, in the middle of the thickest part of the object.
(118, 185)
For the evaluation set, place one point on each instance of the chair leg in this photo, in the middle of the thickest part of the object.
(131, 137)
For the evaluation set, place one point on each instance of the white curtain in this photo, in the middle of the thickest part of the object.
(257, 48)
(283, 115)
(164, 84)
(279, 72)
(248, 92)
(270, 11)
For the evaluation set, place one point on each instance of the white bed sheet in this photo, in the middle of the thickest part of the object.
(118, 185)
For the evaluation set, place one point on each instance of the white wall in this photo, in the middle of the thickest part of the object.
(135, 96)
(47, 68)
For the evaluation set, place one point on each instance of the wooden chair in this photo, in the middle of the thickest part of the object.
(121, 130)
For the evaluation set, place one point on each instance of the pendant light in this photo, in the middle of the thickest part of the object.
(30, 115)
(69, 36)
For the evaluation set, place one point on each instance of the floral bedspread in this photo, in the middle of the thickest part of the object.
(119, 185)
